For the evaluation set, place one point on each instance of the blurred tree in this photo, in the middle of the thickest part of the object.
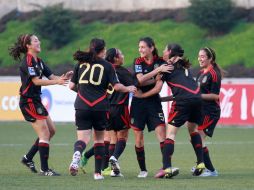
(215, 15)
(55, 24)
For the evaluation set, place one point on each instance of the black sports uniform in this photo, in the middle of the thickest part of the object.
(146, 110)
(30, 100)
(91, 104)
(210, 82)
(187, 101)
(119, 117)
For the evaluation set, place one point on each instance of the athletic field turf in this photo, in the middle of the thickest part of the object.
(231, 149)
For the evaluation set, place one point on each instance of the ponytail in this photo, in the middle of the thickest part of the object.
(20, 46)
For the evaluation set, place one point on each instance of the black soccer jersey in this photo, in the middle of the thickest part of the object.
(210, 82)
(30, 68)
(92, 80)
(141, 66)
(127, 79)
(181, 82)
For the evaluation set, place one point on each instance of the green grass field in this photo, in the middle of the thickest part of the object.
(231, 150)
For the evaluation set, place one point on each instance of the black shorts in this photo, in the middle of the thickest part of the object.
(32, 109)
(88, 119)
(209, 120)
(119, 118)
(144, 112)
(185, 110)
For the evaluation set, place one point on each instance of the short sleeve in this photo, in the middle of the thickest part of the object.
(215, 85)
(113, 78)
(46, 70)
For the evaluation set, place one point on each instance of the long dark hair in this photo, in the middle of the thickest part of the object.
(20, 47)
(150, 43)
(177, 50)
(210, 53)
(111, 54)
(96, 46)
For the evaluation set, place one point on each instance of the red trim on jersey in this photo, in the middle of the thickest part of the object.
(123, 100)
(139, 60)
(214, 75)
(172, 112)
(29, 85)
(91, 104)
(185, 88)
(29, 58)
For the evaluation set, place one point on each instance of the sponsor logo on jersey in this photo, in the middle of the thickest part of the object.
(31, 71)
(138, 68)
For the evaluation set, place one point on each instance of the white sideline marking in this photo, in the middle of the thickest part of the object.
(148, 143)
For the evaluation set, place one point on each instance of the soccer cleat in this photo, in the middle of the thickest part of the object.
(114, 165)
(113, 174)
(83, 162)
(98, 176)
(106, 171)
(74, 166)
(29, 164)
(199, 169)
(49, 172)
(167, 173)
(208, 173)
(142, 174)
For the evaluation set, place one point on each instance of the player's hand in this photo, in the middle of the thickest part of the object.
(69, 74)
(62, 80)
(132, 89)
(166, 68)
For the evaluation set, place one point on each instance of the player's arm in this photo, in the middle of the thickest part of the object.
(41, 82)
(210, 97)
(167, 98)
(164, 68)
(121, 88)
(155, 90)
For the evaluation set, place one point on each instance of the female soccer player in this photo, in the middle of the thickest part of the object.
(32, 69)
(91, 78)
(147, 111)
(209, 80)
(186, 106)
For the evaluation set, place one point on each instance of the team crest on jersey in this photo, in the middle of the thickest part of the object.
(138, 68)
(31, 70)
(204, 79)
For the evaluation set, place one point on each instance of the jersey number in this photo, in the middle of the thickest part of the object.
(91, 79)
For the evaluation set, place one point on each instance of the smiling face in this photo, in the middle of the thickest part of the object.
(203, 59)
(35, 45)
(145, 50)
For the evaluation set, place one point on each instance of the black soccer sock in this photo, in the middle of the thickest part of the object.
(120, 146)
(197, 145)
(44, 155)
(106, 156)
(89, 153)
(140, 152)
(168, 151)
(161, 147)
(111, 149)
(99, 152)
(207, 160)
(79, 146)
(33, 150)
